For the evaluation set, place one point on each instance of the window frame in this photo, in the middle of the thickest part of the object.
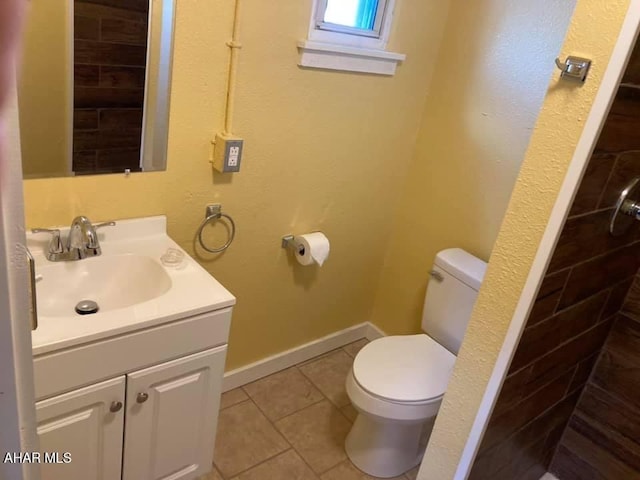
(321, 31)
(347, 49)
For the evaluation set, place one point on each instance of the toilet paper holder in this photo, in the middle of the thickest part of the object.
(287, 242)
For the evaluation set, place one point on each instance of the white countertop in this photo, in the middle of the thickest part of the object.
(193, 290)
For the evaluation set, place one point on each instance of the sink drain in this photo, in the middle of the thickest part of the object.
(87, 307)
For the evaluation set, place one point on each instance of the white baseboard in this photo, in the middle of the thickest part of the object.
(374, 332)
(275, 363)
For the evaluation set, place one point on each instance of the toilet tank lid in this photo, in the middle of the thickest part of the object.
(462, 265)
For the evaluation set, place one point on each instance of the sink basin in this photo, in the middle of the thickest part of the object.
(130, 284)
(115, 281)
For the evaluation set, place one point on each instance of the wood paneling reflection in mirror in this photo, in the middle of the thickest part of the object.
(110, 46)
(94, 87)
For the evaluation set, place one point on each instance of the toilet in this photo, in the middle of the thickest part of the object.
(397, 383)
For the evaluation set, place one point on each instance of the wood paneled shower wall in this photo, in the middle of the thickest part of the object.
(545, 418)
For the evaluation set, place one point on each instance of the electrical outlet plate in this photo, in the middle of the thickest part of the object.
(227, 153)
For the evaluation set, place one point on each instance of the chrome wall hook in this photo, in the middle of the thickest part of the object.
(574, 68)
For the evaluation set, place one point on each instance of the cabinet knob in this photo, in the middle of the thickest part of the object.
(142, 397)
(115, 407)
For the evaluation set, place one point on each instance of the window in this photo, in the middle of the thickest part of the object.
(350, 35)
(354, 17)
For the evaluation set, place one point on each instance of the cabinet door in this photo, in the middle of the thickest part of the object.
(87, 424)
(172, 412)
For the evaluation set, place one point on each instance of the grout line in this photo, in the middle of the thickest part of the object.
(600, 316)
(542, 414)
(115, 42)
(625, 301)
(555, 306)
(249, 399)
(275, 427)
(556, 377)
(606, 184)
(236, 404)
(631, 243)
(557, 447)
(257, 464)
(345, 351)
(311, 381)
(319, 357)
(557, 347)
(618, 398)
(630, 85)
(568, 390)
(318, 387)
(233, 405)
(599, 257)
(575, 407)
(628, 315)
(273, 423)
(345, 415)
(298, 411)
(564, 288)
(591, 212)
(317, 475)
(597, 356)
(577, 304)
(293, 446)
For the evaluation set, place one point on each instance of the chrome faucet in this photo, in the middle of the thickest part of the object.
(82, 241)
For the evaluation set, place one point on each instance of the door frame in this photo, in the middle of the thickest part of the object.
(17, 397)
(582, 154)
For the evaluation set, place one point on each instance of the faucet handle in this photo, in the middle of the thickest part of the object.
(104, 224)
(55, 245)
(93, 237)
(94, 242)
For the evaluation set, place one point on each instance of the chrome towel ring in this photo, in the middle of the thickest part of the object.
(213, 213)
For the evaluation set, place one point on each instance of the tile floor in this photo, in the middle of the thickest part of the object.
(290, 425)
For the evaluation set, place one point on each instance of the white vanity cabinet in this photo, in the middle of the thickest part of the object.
(168, 418)
(87, 424)
(172, 410)
(138, 406)
(132, 391)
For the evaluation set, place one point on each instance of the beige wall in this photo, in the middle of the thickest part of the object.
(44, 90)
(491, 77)
(593, 31)
(324, 150)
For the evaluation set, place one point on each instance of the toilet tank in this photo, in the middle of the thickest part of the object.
(451, 293)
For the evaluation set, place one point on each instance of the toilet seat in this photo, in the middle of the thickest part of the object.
(404, 369)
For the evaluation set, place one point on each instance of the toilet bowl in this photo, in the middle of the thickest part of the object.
(397, 383)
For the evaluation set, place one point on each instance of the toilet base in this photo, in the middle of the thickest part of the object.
(386, 449)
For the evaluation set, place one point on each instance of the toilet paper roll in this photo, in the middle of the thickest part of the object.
(311, 248)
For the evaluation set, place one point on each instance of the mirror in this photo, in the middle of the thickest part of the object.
(93, 91)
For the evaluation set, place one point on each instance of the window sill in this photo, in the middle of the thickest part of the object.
(350, 59)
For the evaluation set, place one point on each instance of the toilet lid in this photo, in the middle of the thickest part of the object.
(404, 368)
